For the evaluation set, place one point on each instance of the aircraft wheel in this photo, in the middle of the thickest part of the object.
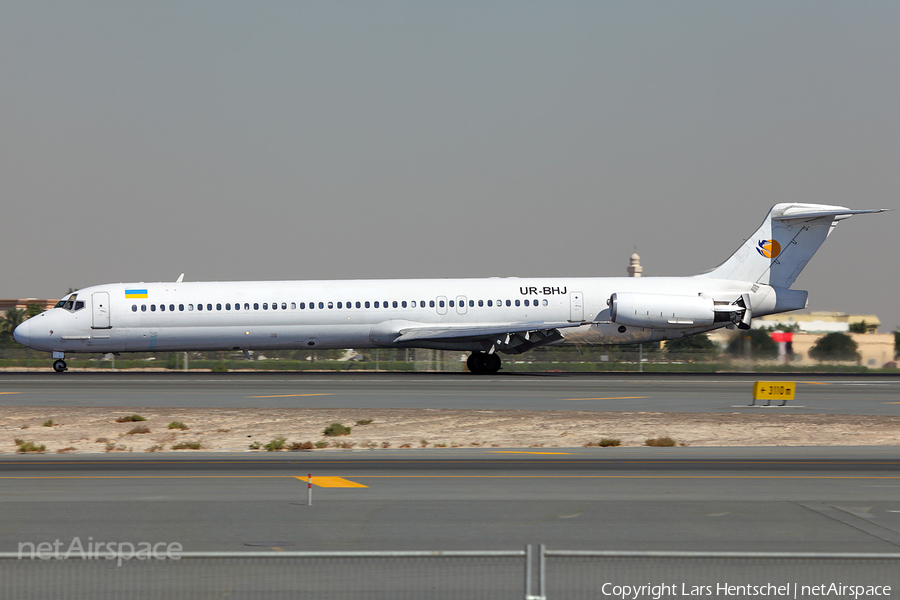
(60, 366)
(482, 363)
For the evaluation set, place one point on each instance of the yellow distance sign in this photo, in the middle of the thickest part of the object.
(774, 390)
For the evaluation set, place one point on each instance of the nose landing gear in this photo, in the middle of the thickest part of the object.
(482, 363)
(59, 366)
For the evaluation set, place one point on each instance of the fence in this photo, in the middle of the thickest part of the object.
(534, 573)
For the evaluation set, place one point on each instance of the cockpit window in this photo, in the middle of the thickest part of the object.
(66, 301)
(70, 304)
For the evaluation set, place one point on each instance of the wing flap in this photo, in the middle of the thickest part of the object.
(462, 332)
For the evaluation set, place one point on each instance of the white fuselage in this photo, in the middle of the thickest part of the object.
(138, 317)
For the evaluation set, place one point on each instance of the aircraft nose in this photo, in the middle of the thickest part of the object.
(22, 333)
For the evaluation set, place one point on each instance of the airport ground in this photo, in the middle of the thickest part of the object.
(744, 498)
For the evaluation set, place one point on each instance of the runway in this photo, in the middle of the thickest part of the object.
(625, 499)
(557, 391)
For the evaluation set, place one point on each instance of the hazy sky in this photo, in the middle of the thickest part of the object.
(333, 140)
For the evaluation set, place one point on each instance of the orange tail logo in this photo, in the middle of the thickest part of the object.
(769, 248)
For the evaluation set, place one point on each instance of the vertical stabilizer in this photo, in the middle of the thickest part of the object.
(783, 244)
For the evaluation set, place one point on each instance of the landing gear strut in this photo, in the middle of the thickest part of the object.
(483, 363)
(60, 366)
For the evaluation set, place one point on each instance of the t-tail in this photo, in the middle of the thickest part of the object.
(783, 244)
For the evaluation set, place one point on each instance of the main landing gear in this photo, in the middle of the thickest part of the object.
(483, 363)
(59, 366)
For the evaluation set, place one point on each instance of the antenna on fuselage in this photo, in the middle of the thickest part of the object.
(180, 278)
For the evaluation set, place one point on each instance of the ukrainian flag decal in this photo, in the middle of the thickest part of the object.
(135, 293)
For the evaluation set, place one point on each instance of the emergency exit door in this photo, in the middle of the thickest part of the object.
(576, 307)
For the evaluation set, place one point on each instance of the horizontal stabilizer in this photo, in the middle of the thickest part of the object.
(839, 214)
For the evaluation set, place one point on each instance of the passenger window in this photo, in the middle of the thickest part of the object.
(302, 305)
(508, 303)
(481, 303)
(441, 304)
(172, 307)
(490, 303)
(413, 303)
(404, 304)
(340, 305)
(199, 307)
(162, 307)
(152, 308)
(376, 304)
(209, 307)
(394, 304)
(256, 306)
(274, 306)
(312, 305)
(143, 308)
(526, 302)
(384, 304)
(518, 303)
(431, 303)
(218, 306)
(321, 305)
(331, 305)
(227, 306)
(367, 304)
(284, 306)
(293, 306)
(544, 302)
(237, 306)
(451, 304)
(134, 308)
(471, 303)
(265, 306)
(246, 306)
(190, 307)
(181, 307)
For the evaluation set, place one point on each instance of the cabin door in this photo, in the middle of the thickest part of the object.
(100, 307)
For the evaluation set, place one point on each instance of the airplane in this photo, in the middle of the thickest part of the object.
(482, 316)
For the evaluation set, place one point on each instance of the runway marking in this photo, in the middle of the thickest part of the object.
(815, 382)
(290, 395)
(524, 452)
(611, 398)
(332, 482)
(10, 392)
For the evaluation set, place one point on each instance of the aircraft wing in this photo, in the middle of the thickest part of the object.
(512, 338)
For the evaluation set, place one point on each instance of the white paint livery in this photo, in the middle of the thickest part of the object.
(482, 316)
